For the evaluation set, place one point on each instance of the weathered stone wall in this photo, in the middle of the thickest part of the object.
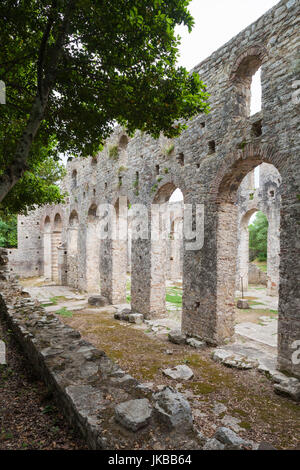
(208, 163)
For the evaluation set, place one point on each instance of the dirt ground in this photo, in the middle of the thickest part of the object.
(243, 398)
(29, 417)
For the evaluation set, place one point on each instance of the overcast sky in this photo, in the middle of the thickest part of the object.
(216, 22)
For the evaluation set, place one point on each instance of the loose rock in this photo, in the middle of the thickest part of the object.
(134, 414)
(98, 300)
(177, 337)
(173, 409)
(195, 343)
(181, 372)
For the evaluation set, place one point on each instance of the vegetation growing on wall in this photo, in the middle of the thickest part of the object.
(8, 231)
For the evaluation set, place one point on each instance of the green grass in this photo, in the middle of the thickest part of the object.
(64, 312)
(262, 265)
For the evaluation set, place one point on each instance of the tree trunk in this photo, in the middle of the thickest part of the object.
(19, 165)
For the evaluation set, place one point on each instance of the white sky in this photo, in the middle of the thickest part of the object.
(216, 22)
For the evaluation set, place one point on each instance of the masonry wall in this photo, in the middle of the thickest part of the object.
(208, 163)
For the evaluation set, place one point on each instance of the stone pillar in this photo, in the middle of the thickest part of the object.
(55, 242)
(209, 278)
(92, 258)
(72, 256)
(273, 258)
(289, 292)
(47, 255)
(62, 265)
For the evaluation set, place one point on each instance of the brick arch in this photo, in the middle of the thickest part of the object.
(237, 165)
(248, 62)
(165, 191)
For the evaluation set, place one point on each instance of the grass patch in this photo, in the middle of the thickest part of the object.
(64, 312)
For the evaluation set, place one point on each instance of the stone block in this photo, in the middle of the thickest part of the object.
(134, 414)
(98, 301)
(176, 337)
(243, 304)
(173, 410)
(181, 372)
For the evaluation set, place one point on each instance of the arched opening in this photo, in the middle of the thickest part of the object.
(92, 251)
(167, 253)
(123, 142)
(47, 248)
(74, 179)
(242, 205)
(56, 242)
(256, 93)
(246, 78)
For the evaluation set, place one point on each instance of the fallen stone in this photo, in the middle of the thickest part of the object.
(237, 361)
(98, 300)
(173, 410)
(2, 353)
(230, 439)
(176, 337)
(181, 372)
(169, 352)
(109, 310)
(266, 446)
(290, 388)
(232, 423)
(146, 387)
(195, 343)
(201, 438)
(242, 304)
(137, 318)
(213, 444)
(219, 408)
(134, 414)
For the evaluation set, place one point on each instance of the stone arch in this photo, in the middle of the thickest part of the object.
(92, 256)
(247, 63)
(123, 141)
(237, 165)
(244, 68)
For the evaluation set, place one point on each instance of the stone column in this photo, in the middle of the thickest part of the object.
(92, 258)
(209, 278)
(47, 255)
(55, 242)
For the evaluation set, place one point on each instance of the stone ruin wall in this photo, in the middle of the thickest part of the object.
(208, 163)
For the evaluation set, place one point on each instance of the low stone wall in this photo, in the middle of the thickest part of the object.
(256, 275)
(88, 386)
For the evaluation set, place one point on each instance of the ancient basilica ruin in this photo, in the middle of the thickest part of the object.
(228, 162)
